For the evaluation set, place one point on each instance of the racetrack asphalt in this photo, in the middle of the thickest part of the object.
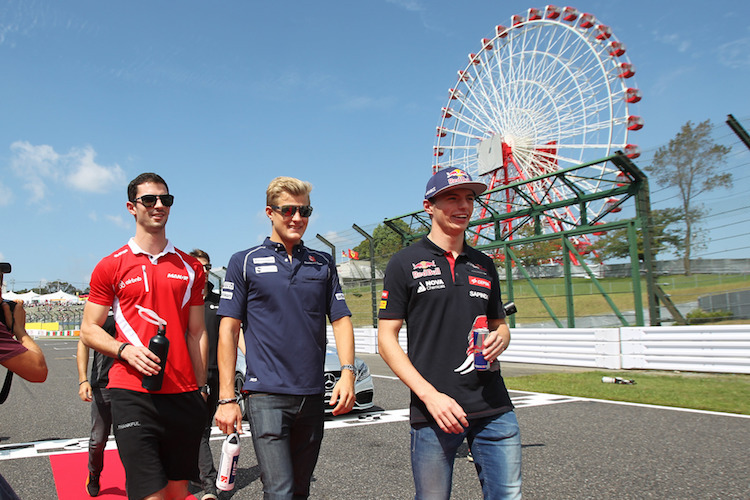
(572, 447)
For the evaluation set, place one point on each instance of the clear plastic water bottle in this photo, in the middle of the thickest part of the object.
(159, 345)
(230, 455)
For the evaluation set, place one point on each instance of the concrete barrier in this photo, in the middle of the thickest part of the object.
(704, 348)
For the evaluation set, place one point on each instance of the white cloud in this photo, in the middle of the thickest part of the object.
(41, 166)
(6, 195)
(666, 81)
(34, 164)
(410, 5)
(118, 221)
(89, 177)
(735, 54)
(673, 40)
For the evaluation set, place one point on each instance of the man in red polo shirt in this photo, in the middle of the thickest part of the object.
(157, 431)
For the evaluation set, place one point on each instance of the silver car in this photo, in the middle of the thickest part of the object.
(363, 386)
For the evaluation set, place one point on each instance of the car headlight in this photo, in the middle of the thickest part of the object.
(363, 371)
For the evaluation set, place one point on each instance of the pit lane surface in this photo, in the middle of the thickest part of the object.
(572, 447)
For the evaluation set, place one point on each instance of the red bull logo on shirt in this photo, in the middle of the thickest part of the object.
(424, 268)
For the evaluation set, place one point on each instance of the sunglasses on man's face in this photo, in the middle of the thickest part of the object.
(149, 200)
(290, 210)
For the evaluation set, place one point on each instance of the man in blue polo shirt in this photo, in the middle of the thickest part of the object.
(280, 293)
(440, 286)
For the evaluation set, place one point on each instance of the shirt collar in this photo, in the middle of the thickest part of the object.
(436, 249)
(279, 247)
(136, 250)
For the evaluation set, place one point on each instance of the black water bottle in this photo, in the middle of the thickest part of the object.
(159, 345)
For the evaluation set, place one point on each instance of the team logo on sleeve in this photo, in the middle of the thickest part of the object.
(227, 290)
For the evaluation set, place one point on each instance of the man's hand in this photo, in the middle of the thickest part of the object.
(142, 359)
(448, 414)
(496, 342)
(85, 392)
(343, 393)
(229, 418)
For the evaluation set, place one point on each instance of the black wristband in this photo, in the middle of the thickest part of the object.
(227, 401)
(122, 348)
(81, 383)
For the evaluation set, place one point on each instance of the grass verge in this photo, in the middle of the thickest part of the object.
(724, 393)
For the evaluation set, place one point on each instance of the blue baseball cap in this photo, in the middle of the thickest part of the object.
(450, 178)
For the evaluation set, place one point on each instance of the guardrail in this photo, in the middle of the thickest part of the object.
(704, 348)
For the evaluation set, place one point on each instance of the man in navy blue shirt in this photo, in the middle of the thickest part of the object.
(280, 293)
(440, 286)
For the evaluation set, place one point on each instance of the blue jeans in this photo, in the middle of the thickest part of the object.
(287, 432)
(495, 444)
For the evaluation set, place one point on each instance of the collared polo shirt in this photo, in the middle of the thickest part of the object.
(168, 284)
(439, 303)
(283, 307)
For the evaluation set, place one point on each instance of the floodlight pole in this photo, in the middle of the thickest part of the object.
(329, 245)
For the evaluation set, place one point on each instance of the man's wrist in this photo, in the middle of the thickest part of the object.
(228, 401)
(122, 348)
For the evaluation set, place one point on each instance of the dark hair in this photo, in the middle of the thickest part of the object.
(142, 179)
(200, 254)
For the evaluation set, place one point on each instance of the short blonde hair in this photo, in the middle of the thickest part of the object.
(294, 187)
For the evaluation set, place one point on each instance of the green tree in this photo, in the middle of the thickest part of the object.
(386, 242)
(691, 162)
(538, 252)
(665, 231)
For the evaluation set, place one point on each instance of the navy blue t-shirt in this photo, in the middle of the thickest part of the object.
(439, 305)
(283, 307)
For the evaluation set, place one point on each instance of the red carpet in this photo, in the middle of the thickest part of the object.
(70, 476)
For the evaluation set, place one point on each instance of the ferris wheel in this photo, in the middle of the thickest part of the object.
(552, 90)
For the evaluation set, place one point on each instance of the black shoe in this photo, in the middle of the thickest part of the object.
(210, 493)
(92, 485)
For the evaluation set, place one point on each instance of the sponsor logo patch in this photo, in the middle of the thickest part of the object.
(383, 304)
(484, 283)
(477, 267)
(425, 286)
(263, 260)
(177, 276)
(227, 295)
(128, 425)
(228, 285)
(266, 269)
(481, 295)
(339, 296)
(129, 281)
(427, 272)
(384, 295)
(425, 264)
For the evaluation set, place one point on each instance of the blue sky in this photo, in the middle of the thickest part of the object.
(220, 97)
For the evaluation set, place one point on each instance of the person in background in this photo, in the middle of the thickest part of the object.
(281, 292)
(158, 432)
(94, 390)
(18, 351)
(205, 457)
(440, 286)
